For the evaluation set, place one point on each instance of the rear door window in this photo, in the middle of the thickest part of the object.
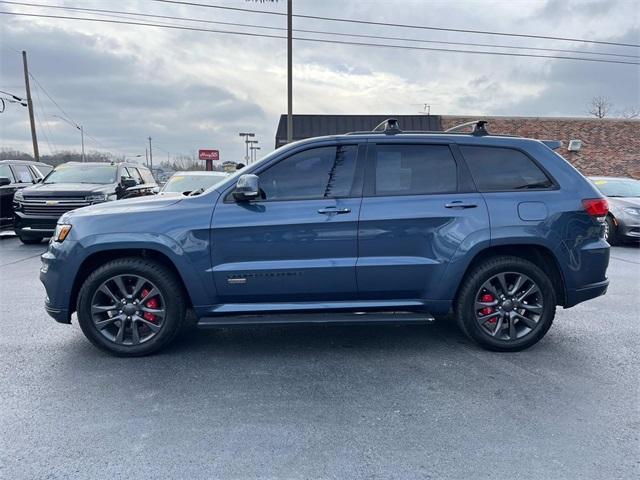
(414, 170)
(503, 169)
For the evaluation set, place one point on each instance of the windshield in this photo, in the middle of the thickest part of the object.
(83, 174)
(189, 183)
(619, 188)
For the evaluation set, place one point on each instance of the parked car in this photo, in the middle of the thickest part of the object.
(623, 220)
(16, 175)
(73, 185)
(379, 226)
(191, 182)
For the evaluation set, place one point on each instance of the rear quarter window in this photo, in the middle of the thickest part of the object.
(497, 169)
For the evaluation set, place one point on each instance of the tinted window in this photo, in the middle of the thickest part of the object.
(498, 169)
(414, 170)
(324, 172)
(5, 171)
(23, 174)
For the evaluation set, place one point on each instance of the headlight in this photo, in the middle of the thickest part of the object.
(62, 231)
(97, 198)
(631, 211)
(17, 197)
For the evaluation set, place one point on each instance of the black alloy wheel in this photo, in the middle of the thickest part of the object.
(506, 303)
(131, 306)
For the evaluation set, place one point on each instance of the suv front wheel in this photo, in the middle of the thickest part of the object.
(131, 307)
(506, 304)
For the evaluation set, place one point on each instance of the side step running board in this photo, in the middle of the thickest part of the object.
(321, 318)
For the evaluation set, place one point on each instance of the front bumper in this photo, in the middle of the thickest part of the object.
(56, 274)
(27, 225)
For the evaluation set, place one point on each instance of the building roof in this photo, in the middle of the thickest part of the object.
(305, 126)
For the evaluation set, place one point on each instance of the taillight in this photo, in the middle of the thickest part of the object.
(596, 207)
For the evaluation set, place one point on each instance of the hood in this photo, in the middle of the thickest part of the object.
(67, 189)
(118, 207)
(622, 202)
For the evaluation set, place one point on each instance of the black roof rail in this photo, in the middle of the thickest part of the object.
(479, 128)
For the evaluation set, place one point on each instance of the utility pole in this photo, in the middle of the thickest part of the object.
(289, 71)
(146, 157)
(82, 140)
(34, 138)
(150, 156)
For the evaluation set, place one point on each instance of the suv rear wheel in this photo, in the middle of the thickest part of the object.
(131, 307)
(506, 304)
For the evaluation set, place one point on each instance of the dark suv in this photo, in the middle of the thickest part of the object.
(368, 227)
(16, 175)
(73, 185)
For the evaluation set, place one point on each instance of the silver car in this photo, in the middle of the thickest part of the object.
(192, 182)
(623, 194)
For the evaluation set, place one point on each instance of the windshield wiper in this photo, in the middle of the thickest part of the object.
(195, 192)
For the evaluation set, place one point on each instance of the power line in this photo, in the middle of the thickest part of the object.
(46, 128)
(318, 40)
(128, 15)
(399, 25)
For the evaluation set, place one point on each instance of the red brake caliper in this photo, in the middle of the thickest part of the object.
(152, 303)
(487, 297)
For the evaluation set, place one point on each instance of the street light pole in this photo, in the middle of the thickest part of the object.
(150, 157)
(246, 144)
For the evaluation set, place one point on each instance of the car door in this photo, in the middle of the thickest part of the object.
(6, 196)
(418, 208)
(298, 242)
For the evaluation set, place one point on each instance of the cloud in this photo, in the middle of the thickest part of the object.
(191, 90)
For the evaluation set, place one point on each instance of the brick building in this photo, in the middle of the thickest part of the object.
(609, 146)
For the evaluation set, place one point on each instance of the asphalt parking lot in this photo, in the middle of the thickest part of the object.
(345, 402)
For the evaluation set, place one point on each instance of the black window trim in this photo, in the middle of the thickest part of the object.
(554, 183)
(369, 179)
(356, 186)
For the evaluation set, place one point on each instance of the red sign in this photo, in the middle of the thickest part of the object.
(208, 154)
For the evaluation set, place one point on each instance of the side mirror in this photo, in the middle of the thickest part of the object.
(128, 182)
(247, 188)
(4, 181)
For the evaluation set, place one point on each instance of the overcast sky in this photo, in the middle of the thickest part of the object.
(191, 90)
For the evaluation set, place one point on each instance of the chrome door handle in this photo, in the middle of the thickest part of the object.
(459, 204)
(329, 210)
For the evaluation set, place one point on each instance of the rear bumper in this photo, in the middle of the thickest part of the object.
(579, 295)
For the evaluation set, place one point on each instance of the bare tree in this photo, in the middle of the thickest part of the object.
(630, 112)
(600, 107)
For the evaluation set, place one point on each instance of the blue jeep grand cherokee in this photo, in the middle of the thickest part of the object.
(365, 227)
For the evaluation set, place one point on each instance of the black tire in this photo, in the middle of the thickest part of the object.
(166, 282)
(465, 306)
(611, 231)
(30, 240)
